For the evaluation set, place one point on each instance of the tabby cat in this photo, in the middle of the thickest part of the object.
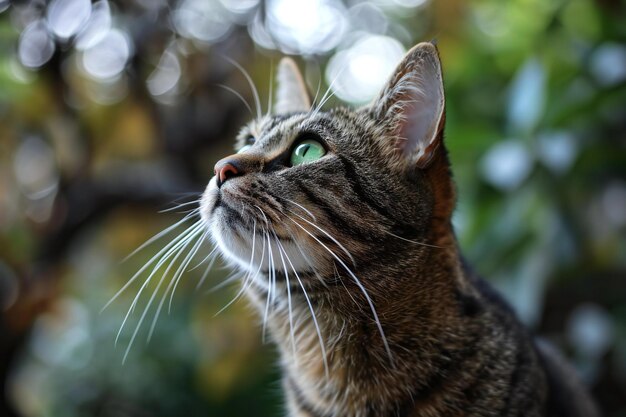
(341, 221)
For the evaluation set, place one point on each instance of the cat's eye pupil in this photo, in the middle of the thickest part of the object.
(308, 150)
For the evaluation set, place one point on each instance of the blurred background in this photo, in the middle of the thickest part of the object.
(113, 111)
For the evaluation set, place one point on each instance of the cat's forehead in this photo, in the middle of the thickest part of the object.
(274, 129)
(277, 130)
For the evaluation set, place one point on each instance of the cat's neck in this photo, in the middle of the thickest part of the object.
(418, 310)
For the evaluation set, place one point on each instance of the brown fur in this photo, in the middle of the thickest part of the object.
(370, 223)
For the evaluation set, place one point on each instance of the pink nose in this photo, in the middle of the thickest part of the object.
(225, 169)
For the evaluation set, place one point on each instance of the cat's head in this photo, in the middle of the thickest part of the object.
(309, 190)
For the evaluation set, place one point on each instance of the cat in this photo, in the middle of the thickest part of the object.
(341, 221)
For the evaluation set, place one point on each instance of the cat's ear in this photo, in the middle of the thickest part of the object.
(291, 93)
(412, 104)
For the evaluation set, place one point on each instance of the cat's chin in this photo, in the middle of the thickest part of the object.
(253, 250)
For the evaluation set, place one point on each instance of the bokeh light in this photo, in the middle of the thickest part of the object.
(205, 21)
(35, 168)
(320, 31)
(96, 27)
(240, 9)
(66, 17)
(107, 58)
(166, 76)
(357, 73)
(507, 164)
(4, 4)
(35, 45)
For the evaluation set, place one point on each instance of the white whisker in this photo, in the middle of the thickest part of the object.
(270, 258)
(175, 279)
(151, 300)
(159, 235)
(239, 96)
(289, 309)
(158, 311)
(313, 316)
(146, 308)
(358, 283)
(249, 279)
(175, 249)
(226, 282)
(181, 270)
(257, 100)
(326, 95)
(205, 274)
(211, 256)
(307, 211)
(308, 261)
(414, 241)
(327, 234)
(181, 205)
(319, 87)
(270, 97)
(343, 284)
(184, 235)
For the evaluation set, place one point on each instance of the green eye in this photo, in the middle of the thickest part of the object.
(244, 148)
(307, 151)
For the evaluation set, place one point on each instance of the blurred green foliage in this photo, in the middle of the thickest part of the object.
(103, 125)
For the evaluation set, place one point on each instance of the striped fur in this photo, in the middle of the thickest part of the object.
(352, 262)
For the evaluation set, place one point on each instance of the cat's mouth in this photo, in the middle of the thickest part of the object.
(256, 236)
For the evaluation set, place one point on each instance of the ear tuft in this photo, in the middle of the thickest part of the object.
(292, 95)
(412, 103)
